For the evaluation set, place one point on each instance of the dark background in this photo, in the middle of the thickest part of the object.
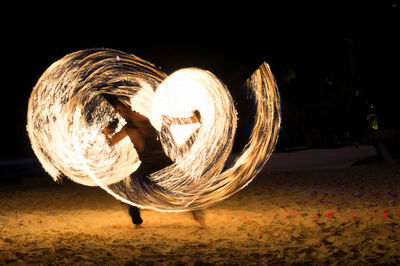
(331, 60)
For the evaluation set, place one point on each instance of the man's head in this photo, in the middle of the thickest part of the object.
(119, 106)
(124, 110)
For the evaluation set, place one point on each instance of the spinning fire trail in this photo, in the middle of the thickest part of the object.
(67, 112)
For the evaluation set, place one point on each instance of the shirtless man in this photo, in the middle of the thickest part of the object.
(145, 140)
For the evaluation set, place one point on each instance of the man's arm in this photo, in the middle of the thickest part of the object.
(117, 137)
(195, 118)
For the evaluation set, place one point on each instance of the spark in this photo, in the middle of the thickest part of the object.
(66, 113)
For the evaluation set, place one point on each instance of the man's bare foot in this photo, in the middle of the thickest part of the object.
(138, 226)
(198, 217)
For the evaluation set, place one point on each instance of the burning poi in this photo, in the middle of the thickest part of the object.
(67, 111)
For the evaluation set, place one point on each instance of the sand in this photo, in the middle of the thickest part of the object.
(340, 216)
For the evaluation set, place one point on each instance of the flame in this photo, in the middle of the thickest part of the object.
(66, 113)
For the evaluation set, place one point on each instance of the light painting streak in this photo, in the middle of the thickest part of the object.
(66, 114)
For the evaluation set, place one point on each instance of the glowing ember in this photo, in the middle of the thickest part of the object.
(66, 114)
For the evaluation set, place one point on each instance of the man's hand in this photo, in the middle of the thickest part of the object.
(197, 115)
(108, 131)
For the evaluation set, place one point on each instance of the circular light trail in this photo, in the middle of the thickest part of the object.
(66, 114)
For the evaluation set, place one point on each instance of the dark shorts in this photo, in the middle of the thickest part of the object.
(149, 166)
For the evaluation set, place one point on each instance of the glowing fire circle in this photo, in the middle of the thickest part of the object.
(66, 113)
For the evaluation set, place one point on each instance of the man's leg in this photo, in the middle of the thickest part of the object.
(134, 212)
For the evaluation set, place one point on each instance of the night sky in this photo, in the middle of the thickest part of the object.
(342, 46)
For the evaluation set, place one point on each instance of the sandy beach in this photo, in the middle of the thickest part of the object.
(338, 216)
